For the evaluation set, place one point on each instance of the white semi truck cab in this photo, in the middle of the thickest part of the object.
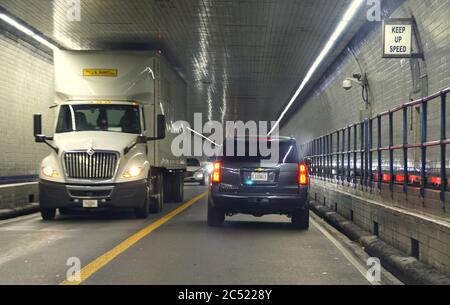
(109, 148)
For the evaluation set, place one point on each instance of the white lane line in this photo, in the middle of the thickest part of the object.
(21, 218)
(360, 267)
(4, 186)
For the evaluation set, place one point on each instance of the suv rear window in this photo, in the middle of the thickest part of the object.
(192, 162)
(287, 151)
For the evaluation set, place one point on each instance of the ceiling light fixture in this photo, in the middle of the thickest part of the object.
(27, 31)
(342, 26)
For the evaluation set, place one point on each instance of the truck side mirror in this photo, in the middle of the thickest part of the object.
(37, 125)
(161, 127)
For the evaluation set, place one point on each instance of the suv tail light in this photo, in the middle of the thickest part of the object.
(303, 177)
(217, 172)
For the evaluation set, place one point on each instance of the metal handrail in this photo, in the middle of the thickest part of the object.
(339, 161)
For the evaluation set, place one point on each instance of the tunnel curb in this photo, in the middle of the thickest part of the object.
(408, 269)
(20, 211)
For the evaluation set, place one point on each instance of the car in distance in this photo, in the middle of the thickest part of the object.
(245, 184)
(195, 172)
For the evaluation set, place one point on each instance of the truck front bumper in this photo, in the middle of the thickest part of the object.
(120, 195)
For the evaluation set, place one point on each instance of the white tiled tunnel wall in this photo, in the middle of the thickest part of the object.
(26, 87)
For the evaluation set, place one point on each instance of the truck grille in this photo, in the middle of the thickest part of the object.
(99, 166)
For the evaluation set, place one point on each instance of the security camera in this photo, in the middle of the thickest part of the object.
(360, 80)
(347, 84)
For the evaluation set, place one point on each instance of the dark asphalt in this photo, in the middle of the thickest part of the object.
(183, 251)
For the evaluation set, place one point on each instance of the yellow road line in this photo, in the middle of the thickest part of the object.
(344, 251)
(104, 259)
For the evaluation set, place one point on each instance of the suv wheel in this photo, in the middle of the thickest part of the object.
(178, 187)
(300, 219)
(216, 217)
(48, 214)
(63, 211)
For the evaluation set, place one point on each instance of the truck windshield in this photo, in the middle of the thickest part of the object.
(94, 117)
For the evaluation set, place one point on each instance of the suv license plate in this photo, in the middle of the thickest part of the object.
(263, 177)
(90, 204)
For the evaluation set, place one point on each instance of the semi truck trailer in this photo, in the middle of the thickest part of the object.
(111, 145)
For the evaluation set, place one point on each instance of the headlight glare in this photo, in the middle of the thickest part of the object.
(133, 172)
(50, 172)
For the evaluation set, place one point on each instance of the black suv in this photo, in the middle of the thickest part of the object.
(247, 183)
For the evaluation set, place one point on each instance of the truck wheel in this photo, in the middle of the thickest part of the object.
(300, 219)
(178, 188)
(48, 214)
(168, 187)
(202, 183)
(216, 217)
(156, 205)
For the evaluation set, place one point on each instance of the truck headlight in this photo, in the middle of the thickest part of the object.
(199, 174)
(133, 172)
(50, 172)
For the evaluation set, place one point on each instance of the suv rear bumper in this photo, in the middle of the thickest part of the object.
(120, 195)
(260, 204)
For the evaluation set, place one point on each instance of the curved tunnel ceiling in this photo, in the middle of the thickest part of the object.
(242, 59)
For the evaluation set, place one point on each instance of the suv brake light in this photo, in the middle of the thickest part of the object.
(217, 172)
(303, 178)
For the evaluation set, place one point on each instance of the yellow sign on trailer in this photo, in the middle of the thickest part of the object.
(100, 72)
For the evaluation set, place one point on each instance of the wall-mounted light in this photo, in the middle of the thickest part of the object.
(342, 26)
(27, 31)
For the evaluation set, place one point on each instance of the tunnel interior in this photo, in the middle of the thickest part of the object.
(361, 86)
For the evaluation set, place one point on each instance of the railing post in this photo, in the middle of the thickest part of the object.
(338, 150)
(320, 157)
(443, 147)
(327, 156)
(343, 156)
(405, 150)
(391, 151)
(314, 157)
(324, 151)
(361, 171)
(349, 147)
(330, 172)
(370, 152)
(366, 152)
(424, 137)
(380, 170)
(355, 154)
